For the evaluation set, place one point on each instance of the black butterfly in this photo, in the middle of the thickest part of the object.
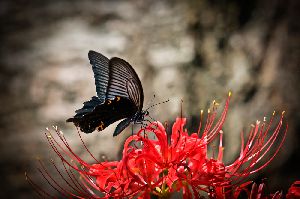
(119, 95)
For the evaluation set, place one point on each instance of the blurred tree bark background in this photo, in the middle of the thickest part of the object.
(191, 50)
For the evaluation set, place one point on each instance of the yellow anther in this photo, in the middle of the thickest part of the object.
(201, 112)
(215, 103)
(273, 113)
(118, 98)
(108, 101)
(283, 112)
(158, 189)
(208, 111)
(229, 93)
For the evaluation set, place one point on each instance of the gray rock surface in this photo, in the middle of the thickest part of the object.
(191, 50)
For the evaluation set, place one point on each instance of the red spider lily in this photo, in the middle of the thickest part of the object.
(167, 164)
(256, 192)
(294, 191)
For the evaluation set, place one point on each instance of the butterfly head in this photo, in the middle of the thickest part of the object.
(139, 116)
(145, 113)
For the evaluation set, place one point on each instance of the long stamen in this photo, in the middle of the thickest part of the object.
(200, 123)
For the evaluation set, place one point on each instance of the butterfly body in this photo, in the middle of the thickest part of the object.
(119, 95)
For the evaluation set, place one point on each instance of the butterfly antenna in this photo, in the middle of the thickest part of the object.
(157, 104)
(181, 104)
(151, 101)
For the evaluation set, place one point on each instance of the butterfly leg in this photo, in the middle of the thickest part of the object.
(153, 120)
(131, 130)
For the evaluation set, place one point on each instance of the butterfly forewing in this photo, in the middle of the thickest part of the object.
(100, 65)
(123, 74)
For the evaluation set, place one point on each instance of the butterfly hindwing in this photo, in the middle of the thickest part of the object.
(103, 114)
